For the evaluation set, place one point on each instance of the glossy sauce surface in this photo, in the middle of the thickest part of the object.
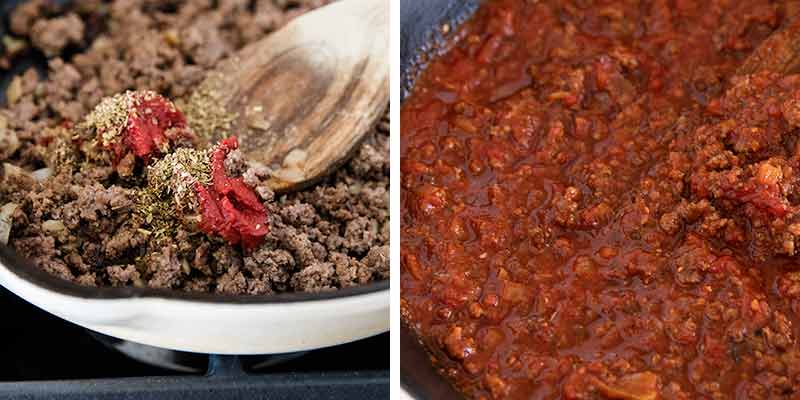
(594, 206)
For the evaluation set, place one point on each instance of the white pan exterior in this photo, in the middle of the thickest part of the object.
(217, 328)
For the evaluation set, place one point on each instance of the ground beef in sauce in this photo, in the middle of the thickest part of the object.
(81, 224)
(596, 206)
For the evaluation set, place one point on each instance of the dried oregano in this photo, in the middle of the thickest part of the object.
(169, 196)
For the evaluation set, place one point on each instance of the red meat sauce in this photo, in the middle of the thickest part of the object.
(595, 206)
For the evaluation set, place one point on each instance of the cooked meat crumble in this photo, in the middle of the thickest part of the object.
(86, 203)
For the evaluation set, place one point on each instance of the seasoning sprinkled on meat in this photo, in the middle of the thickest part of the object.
(170, 199)
(108, 160)
(141, 123)
(205, 112)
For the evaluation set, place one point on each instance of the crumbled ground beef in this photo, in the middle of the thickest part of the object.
(122, 275)
(314, 278)
(53, 35)
(333, 235)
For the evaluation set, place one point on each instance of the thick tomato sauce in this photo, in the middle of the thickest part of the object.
(594, 205)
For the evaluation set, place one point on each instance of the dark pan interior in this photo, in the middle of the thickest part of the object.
(421, 34)
(420, 39)
(29, 272)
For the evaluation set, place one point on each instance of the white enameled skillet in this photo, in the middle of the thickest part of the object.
(206, 323)
(203, 323)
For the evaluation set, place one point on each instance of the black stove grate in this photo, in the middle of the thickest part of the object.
(46, 357)
(236, 385)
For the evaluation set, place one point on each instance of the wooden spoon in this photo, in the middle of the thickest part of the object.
(305, 96)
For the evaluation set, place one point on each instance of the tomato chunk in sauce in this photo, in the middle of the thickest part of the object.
(594, 205)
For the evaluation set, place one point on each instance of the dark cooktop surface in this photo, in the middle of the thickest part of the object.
(45, 357)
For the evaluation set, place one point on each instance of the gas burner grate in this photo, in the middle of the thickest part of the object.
(226, 379)
(48, 358)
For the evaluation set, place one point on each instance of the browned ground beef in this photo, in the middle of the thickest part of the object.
(331, 236)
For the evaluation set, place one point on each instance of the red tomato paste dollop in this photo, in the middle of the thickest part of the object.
(153, 124)
(229, 208)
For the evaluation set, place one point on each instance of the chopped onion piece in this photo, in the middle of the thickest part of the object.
(6, 220)
(291, 175)
(638, 386)
(41, 175)
(53, 226)
(13, 170)
(9, 142)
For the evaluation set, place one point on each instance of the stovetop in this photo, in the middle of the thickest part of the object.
(45, 357)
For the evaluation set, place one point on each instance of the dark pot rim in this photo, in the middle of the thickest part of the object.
(421, 38)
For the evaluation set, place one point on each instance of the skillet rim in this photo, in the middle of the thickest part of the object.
(25, 270)
(421, 40)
